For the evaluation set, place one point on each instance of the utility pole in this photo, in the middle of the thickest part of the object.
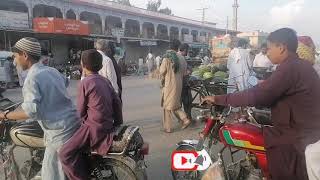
(203, 14)
(203, 20)
(227, 28)
(235, 15)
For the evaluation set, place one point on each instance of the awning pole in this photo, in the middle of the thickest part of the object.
(9, 39)
(5, 39)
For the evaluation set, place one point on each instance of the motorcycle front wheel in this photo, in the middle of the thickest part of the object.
(110, 169)
(186, 175)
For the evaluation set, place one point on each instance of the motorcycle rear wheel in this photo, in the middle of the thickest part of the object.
(111, 169)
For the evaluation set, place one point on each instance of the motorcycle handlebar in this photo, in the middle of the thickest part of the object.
(8, 105)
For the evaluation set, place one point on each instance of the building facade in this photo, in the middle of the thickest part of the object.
(137, 30)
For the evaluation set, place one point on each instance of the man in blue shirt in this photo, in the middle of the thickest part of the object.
(45, 99)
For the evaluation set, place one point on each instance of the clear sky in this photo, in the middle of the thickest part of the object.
(266, 15)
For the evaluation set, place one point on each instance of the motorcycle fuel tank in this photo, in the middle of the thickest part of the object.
(29, 135)
(242, 135)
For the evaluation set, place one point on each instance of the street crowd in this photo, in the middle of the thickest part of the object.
(292, 92)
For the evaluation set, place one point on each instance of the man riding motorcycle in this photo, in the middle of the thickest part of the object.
(293, 93)
(45, 99)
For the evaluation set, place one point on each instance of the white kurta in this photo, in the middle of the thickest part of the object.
(150, 62)
(313, 161)
(239, 64)
(108, 71)
(262, 60)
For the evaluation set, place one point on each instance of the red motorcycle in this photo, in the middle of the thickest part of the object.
(241, 136)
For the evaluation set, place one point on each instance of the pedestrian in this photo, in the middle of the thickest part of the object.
(261, 59)
(150, 62)
(171, 72)
(306, 51)
(141, 66)
(107, 71)
(206, 60)
(45, 100)
(8, 68)
(100, 110)
(186, 96)
(110, 52)
(293, 93)
(239, 64)
(158, 62)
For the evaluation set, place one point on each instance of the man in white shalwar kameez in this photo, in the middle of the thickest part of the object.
(239, 64)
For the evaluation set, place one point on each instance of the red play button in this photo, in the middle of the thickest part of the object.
(183, 160)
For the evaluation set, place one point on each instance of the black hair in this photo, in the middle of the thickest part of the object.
(111, 47)
(285, 36)
(92, 60)
(242, 43)
(264, 45)
(44, 52)
(174, 45)
(184, 47)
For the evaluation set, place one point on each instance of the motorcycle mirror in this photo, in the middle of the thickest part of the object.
(252, 80)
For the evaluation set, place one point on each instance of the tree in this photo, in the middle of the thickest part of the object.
(166, 11)
(154, 5)
(123, 2)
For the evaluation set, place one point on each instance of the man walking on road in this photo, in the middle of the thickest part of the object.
(186, 96)
(111, 51)
(239, 64)
(108, 71)
(150, 63)
(171, 73)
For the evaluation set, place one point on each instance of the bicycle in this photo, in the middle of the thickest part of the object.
(209, 87)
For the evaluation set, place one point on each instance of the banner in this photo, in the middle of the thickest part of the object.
(60, 26)
(148, 43)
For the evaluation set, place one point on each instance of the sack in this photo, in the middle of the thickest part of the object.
(215, 171)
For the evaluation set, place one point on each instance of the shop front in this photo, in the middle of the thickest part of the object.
(64, 39)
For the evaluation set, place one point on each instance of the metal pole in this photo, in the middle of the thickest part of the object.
(5, 40)
(227, 25)
(202, 27)
(9, 39)
(235, 15)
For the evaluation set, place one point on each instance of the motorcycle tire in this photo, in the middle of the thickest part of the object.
(186, 175)
(111, 169)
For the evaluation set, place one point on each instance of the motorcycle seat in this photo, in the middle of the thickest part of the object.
(263, 116)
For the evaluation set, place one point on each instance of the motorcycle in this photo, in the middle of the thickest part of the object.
(132, 68)
(125, 159)
(242, 135)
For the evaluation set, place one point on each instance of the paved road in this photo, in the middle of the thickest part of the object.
(142, 108)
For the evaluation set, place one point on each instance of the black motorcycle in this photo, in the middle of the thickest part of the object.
(125, 159)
